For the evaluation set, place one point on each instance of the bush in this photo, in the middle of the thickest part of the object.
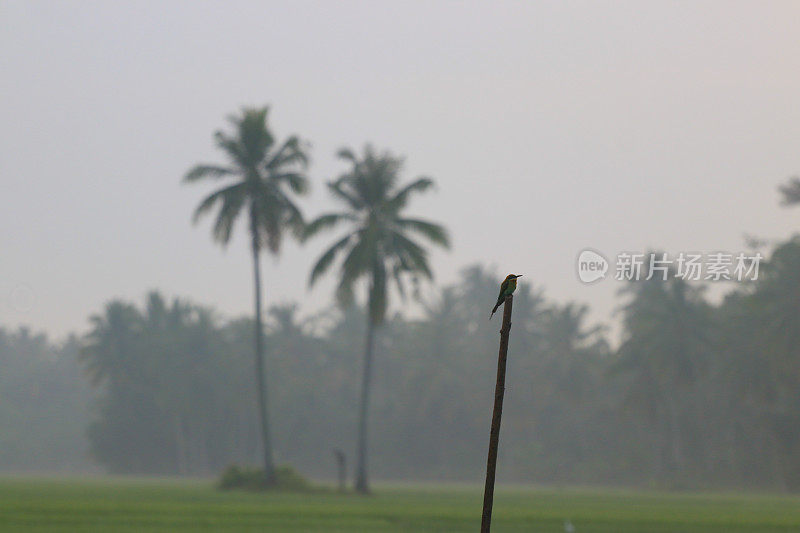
(252, 478)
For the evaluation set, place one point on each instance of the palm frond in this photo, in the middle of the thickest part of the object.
(226, 218)
(372, 178)
(436, 233)
(217, 196)
(790, 192)
(344, 292)
(326, 222)
(348, 155)
(297, 182)
(359, 259)
(400, 199)
(338, 189)
(326, 260)
(266, 210)
(274, 212)
(294, 219)
(412, 254)
(207, 171)
(386, 169)
(357, 263)
(232, 148)
(292, 152)
(253, 134)
(397, 275)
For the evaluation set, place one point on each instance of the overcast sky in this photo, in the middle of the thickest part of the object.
(549, 127)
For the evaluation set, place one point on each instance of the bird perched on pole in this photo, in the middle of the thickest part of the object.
(508, 286)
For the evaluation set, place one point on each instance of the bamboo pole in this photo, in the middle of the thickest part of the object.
(497, 415)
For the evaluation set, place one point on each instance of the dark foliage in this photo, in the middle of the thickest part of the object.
(287, 479)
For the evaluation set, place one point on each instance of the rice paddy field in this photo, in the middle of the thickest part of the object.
(61, 505)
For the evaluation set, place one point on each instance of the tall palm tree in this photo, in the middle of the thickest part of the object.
(260, 176)
(379, 247)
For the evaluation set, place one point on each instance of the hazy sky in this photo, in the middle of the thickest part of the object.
(549, 127)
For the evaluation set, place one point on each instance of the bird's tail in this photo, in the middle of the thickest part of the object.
(495, 309)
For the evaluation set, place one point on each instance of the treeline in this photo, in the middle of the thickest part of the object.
(696, 395)
(45, 404)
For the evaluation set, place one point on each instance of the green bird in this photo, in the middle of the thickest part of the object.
(508, 286)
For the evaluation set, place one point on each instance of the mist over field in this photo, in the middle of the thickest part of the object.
(270, 235)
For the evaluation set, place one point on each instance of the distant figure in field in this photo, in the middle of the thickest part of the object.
(341, 461)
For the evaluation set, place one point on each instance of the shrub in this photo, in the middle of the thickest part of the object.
(252, 478)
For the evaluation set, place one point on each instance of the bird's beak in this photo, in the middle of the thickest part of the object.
(519, 276)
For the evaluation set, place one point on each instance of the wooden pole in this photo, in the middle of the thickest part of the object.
(497, 415)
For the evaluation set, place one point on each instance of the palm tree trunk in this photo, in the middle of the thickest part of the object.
(261, 385)
(362, 485)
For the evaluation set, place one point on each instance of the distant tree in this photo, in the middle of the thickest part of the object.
(111, 347)
(566, 333)
(284, 320)
(262, 177)
(775, 315)
(664, 348)
(179, 344)
(127, 436)
(790, 192)
(379, 247)
(44, 404)
(569, 348)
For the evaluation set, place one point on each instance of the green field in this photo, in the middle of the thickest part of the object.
(147, 505)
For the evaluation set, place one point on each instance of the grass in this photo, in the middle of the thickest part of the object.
(53, 505)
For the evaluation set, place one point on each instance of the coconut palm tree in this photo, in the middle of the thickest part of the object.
(260, 178)
(379, 247)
